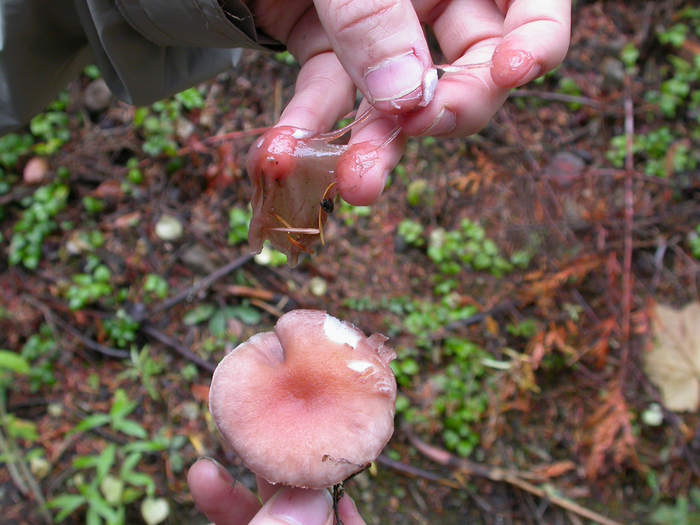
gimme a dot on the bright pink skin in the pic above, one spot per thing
(309, 404)
(291, 171)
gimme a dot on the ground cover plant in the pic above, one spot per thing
(518, 275)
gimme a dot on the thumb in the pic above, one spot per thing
(382, 47)
(295, 505)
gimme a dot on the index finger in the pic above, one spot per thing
(536, 39)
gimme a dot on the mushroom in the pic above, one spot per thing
(294, 178)
(308, 404)
(294, 175)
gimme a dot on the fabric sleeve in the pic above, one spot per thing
(146, 49)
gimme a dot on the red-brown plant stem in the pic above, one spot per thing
(629, 224)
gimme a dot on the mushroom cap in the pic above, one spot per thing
(308, 404)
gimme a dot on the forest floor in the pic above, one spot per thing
(517, 273)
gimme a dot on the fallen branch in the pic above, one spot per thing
(442, 457)
(199, 286)
(178, 347)
(92, 345)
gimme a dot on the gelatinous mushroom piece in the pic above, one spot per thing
(292, 172)
(308, 404)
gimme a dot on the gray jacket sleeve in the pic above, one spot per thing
(146, 49)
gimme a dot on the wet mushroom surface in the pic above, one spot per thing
(308, 404)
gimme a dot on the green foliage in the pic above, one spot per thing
(143, 367)
(35, 223)
(568, 86)
(51, 129)
(116, 418)
(134, 173)
(674, 36)
(681, 513)
(40, 352)
(525, 329)
(468, 246)
(88, 288)
(162, 442)
(659, 151)
(105, 484)
(350, 214)
(411, 232)
(285, 57)
(93, 205)
(156, 287)
(629, 55)
(462, 400)
(92, 72)
(158, 124)
(121, 329)
(695, 242)
(238, 221)
(14, 146)
(11, 366)
(219, 317)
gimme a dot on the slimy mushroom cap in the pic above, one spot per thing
(308, 404)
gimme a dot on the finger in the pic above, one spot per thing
(295, 505)
(464, 102)
(324, 93)
(348, 512)
(218, 497)
(372, 154)
(536, 39)
(382, 47)
(468, 31)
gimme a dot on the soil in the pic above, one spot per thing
(605, 244)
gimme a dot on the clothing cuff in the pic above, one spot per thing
(195, 23)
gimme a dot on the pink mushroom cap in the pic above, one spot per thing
(308, 404)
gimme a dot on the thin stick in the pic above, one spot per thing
(178, 347)
(92, 345)
(629, 224)
(201, 285)
(443, 457)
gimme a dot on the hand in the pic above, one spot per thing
(227, 503)
(379, 46)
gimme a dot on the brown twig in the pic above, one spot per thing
(557, 97)
(178, 347)
(629, 224)
(201, 285)
(92, 345)
(469, 467)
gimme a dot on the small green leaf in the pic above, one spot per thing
(67, 503)
(199, 314)
(13, 362)
(90, 422)
(130, 428)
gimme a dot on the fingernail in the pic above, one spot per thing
(223, 473)
(395, 79)
(443, 124)
(302, 506)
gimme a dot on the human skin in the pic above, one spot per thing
(342, 44)
(225, 502)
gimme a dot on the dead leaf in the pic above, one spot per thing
(673, 363)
